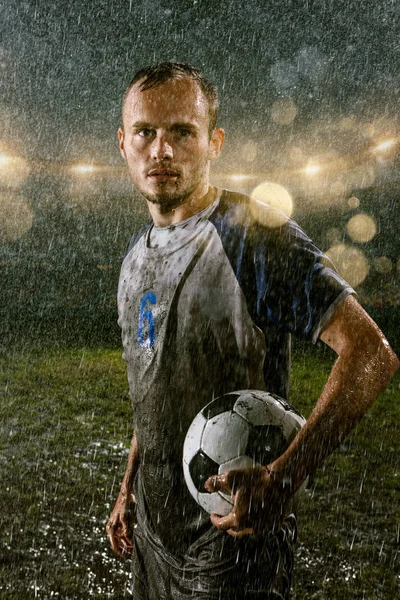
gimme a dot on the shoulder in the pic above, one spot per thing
(256, 223)
(137, 236)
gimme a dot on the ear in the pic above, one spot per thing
(216, 143)
(121, 142)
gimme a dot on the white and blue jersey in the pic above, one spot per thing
(207, 306)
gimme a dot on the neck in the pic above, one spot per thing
(188, 208)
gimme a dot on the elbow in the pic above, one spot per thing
(389, 359)
(380, 356)
(372, 361)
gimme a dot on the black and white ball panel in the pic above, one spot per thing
(222, 447)
(219, 405)
(193, 437)
(253, 407)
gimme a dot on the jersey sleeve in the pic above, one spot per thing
(298, 287)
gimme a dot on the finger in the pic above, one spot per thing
(113, 534)
(239, 533)
(125, 540)
(125, 547)
(124, 529)
(224, 523)
(229, 482)
(120, 545)
(216, 483)
(115, 546)
(110, 532)
(220, 483)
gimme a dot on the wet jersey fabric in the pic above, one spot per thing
(207, 306)
(215, 567)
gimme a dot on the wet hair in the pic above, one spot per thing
(159, 73)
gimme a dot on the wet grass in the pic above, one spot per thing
(65, 431)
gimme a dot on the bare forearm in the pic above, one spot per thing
(365, 365)
(119, 525)
(131, 468)
(359, 375)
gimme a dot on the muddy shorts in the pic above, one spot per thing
(215, 567)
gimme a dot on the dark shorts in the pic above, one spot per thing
(215, 567)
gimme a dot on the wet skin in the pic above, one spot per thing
(364, 367)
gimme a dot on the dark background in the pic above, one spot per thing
(64, 68)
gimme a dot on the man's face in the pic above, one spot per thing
(165, 141)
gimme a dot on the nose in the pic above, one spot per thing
(161, 149)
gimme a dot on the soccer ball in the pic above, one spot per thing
(240, 429)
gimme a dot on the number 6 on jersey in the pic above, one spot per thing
(146, 328)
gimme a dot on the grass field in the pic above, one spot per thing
(65, 430)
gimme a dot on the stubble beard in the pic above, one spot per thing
(169, 200)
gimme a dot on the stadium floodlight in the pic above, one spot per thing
(385, 145)
(240, 177)
(311, 169)
(4, 160)
(83, 169)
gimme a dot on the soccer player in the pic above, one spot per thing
(208, 298)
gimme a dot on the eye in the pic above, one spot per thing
(183, 133)
(145, 132)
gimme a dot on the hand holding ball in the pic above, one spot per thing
(241, 429)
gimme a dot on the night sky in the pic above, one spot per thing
(335, 64)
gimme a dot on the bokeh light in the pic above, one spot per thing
(16, 217)
(13, 171)
(277, 198)
(338, 189)
(284, 75)
(361, 228)
(283, 111)
(311, 63)
(350, 262)
(333, 235)
(353, 202)
(383, 265)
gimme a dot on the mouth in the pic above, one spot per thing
(163, 175)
